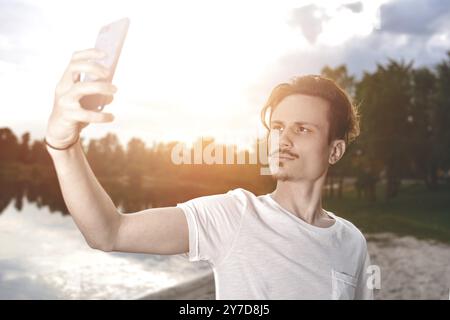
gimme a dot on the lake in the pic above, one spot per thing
(44, 256)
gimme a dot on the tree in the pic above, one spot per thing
(24, 149)
(9, 145)
(338, 171)
(135, 161)
(385, 98)
(39, 154)
(420, 125)
(440, 135)
(342, 78)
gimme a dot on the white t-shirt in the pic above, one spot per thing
(259, 250)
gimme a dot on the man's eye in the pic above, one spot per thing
(276, 127)
(301, 130)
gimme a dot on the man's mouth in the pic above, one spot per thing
(284, 156)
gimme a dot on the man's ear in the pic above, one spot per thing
(337, 151)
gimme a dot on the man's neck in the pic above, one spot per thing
(303, 199)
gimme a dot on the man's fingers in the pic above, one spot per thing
(76, 77)
(88, 54)
(81, 89)
(87, 116)
(92, 68)
(82, 61)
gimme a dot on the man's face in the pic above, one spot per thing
(302, 151)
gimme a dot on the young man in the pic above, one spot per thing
(281, 245)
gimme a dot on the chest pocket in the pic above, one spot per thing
(343, 286)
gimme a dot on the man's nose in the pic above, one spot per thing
(278, 140)
(285, 139)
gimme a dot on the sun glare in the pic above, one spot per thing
(187, 68)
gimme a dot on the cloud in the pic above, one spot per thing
(361, 54)
(415, 30)
(411, 31)
(355, 7)
(415, 17)
(310, 20)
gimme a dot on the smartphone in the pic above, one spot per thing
(110, 39)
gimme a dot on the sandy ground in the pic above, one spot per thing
(410, 269)
(198, 289)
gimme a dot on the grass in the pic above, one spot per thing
(416, 211)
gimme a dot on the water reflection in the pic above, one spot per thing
(44, 256)
(129, 196)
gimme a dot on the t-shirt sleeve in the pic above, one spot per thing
(213, 223)
(364, 290)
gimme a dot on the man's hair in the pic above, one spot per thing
(343, 114)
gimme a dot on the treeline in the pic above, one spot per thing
(135, 176)
(405, 117)
(138, 165)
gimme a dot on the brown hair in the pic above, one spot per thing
(343, 115)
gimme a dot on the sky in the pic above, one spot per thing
(203, 68)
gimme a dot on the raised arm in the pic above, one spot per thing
(155, 231)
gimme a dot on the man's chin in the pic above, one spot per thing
(282, 178)
(281, 175)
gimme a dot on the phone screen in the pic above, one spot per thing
(110, 39)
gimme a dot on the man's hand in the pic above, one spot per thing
(68, 118)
